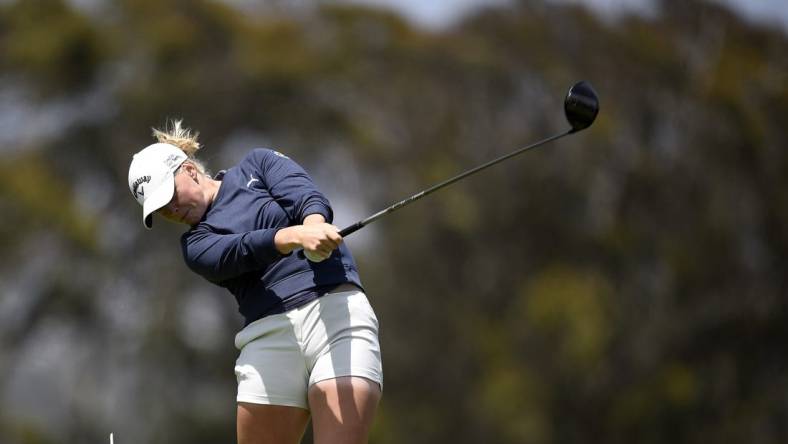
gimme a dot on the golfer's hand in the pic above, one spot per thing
(318, 240)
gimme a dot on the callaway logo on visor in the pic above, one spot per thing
(137, 190)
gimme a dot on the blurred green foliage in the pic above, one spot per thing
(51, 43)
(627, 284)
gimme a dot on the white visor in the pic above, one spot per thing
(151, 177)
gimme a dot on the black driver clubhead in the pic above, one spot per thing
(581, 106)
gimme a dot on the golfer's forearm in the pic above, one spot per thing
(287, 239)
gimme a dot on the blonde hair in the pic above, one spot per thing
(176, 135)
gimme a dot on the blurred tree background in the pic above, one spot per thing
(627, 284)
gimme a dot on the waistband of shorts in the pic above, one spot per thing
(344, 287)
(249, 331)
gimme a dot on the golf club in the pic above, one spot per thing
(581, 106)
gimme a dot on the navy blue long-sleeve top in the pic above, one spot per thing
(233, 245)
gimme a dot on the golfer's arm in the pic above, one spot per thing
(288, 239)
(316, 218)
(219, 257)
(291, 187)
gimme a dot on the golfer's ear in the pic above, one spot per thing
(191, 170)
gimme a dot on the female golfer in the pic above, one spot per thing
(310, 342)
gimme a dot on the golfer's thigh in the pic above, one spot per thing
(343, 409)
(263, 424)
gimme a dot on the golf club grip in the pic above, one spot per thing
(351, 229)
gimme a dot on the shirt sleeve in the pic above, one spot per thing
(292, 188)
(218, 257)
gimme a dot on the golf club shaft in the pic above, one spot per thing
(362, 223)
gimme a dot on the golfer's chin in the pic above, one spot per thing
(192, 217)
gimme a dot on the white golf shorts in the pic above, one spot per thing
(283, 355)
